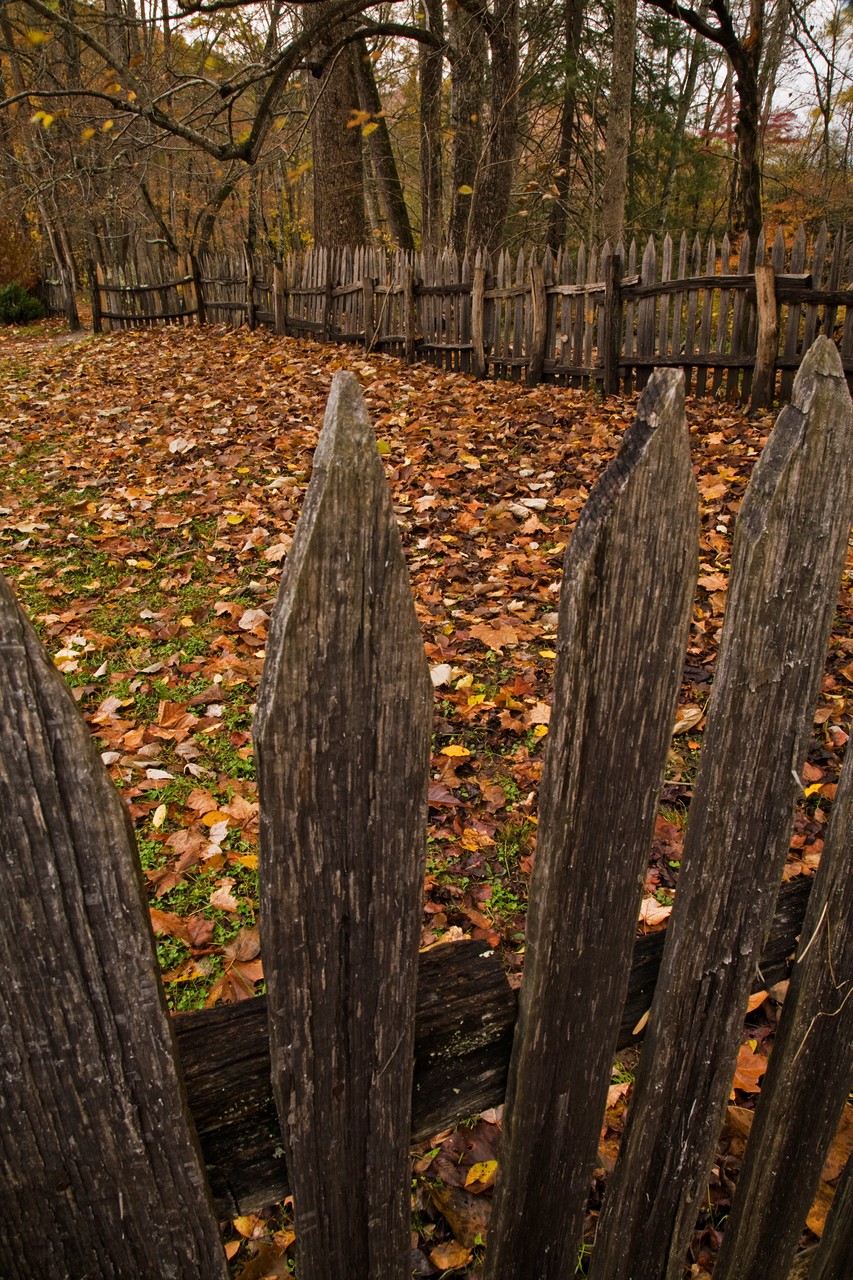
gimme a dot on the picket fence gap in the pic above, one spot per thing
(96, 1138)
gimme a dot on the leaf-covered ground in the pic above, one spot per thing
(152, 482)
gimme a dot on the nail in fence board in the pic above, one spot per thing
(628, 585)
(788, 555)
(342, 742)
(95, 1146)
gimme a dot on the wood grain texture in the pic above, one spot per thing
(809, 1077)
(100, 1174)
(464, 1019)
(788, 554)
(628, 584)
(342, 741)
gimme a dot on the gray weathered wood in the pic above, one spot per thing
(628, 585)
(809, 1076)
(342, 742)
(95, 1146)
(767, 343)
(789, 550)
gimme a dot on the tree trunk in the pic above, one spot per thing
(384, 165)
(558, 217)
(430, 69)
(615, 181)
(490, 202)
(338, 166)
(747, 131)
(467, 77)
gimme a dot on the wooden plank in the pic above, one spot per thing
(723, 313)
(464, 1016)
(95, 1135)
(342, 736)
(834, 282)
(808, 1079)
(663, 318)
(767, 342)
(678, 301)
(646, 315)
(707, 316)
(692, 311)
(789, 551)
(579, 312)
(621, 643)
(478, 350)
(589, 314)
(539, 327)
(810, 325)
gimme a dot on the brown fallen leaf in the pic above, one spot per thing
(450, 1255)
(467, 1215)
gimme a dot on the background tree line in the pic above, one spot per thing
(193, 123)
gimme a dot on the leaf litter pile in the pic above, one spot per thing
(152, 485)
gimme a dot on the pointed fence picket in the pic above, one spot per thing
(96, 1136)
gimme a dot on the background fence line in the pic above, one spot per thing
(587, 317)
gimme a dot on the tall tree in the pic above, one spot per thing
(430, 72)
(337, 160)
(615, 182)
(573, 14)
(493, 186)
(744, 54)
(383, 163)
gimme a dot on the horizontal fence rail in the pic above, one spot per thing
(590, 317)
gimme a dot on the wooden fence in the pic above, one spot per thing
(588, 318)
(97, 1144)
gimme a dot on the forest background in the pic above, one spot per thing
(197, 124)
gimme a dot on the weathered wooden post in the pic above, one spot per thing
(94, 284)
(249, 260)
(367, 304)
(612, 323)
(279, 299)
(408, 309)
(624, 618)
(767, 341)
(478, 317)
(94, 1135)
(789, 551)
(342, 739)
(808, 1079)
(539, 328)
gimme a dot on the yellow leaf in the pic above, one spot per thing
(145, 564)
(159, 816)
(465, 190)
(249, 1225)
(231, 1248)
(357, 118)
(816, 786)
(455, 751)
(547, 653)
(539, 730)
(235, 517)
(36, 37)
(249, 860)
(483, 1172)
(87, 134)
(187, 622)
(369, 128)
(107, 125)
(211, 819)
(383, 448)
(131, 96)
